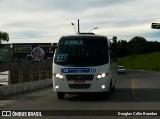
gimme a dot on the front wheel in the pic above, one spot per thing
(113, 88)
(60, 95)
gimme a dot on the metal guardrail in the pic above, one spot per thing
(32, 75)
(27, 71)
(5, 78)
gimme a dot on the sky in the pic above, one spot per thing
(45, 21)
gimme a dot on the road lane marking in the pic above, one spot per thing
(134, 87)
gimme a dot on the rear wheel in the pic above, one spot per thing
(107, 94)
(60, 95)
(113, 88)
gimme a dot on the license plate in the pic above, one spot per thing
(79, 82)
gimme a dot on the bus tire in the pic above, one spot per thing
(60, 95)
(108, 93)
(110, 87)
(113, 88)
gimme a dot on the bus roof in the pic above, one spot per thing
(84, 35)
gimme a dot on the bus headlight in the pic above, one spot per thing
(99, 76)
(59, 76)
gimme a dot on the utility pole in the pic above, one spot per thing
(75, 28)
(78, 27)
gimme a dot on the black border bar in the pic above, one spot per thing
(80, 113)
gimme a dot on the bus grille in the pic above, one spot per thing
(79, 77)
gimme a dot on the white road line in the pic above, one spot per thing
(134, 87)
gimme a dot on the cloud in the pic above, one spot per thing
(37, 18)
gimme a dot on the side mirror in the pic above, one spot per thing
(54, 45)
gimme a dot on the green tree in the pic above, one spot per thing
(122, 48)
(138, 45)
(4, 37)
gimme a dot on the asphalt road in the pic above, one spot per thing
(135, 90)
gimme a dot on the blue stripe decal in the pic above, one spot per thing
(78, 70)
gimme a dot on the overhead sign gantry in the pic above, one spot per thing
(155, 26)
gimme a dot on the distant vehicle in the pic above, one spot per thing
(121, 69)
(84, 63)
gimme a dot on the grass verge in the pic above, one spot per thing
(149, 61)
